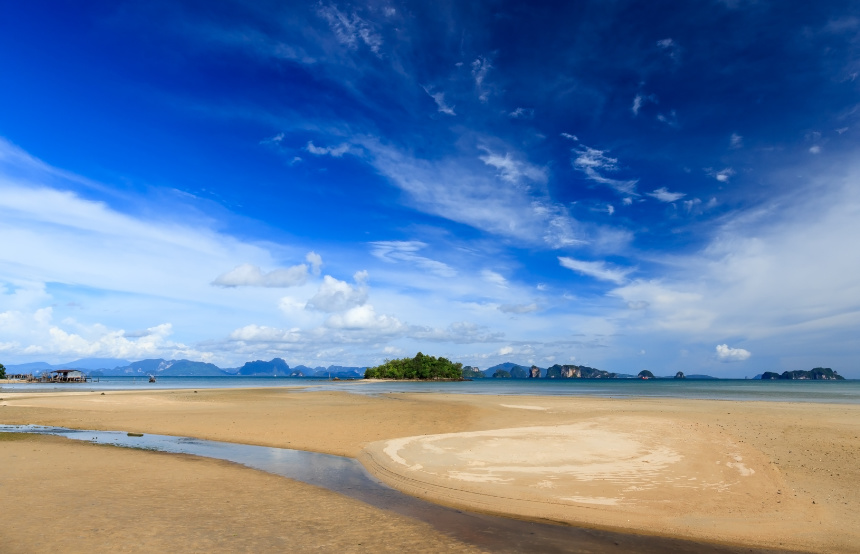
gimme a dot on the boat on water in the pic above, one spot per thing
(152, 378)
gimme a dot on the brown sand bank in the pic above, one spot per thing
(585, 460)
(60, 495)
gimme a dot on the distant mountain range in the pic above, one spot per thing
(113, 367)
(277, 367)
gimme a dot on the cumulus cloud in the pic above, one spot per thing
(406, 251)
(727, 354)
(364, 317)
(247, 275)
(594, 163)
(336, 296)
(663, 195)
(36, 334)
(334, 151)
(598, 270)
(315, 260)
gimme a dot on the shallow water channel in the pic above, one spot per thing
(348, 477)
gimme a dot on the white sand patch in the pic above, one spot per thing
(615, 464)
(393, 447)
(740, 466)
(521, 407)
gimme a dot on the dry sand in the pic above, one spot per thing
(734, 472)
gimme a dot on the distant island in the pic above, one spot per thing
(278, 367)
(816, 374)
(420, 367)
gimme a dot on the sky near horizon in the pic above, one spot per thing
(626, 185)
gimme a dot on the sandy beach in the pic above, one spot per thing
(760, 474)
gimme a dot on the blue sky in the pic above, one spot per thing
(627, 185)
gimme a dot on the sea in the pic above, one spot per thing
(838, 392)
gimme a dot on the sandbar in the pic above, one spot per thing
(763, 474)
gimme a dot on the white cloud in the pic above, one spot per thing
(393, 251)
(610, 209)
(736, 141)
(315, 260)
(670, 47)
(480, 68)
(593, 163)
(454, 189)
(505, 350)
(637, 104)
(522, 113)
(334, 151)
(663, 195)
(350, 30)
(723, 175)
(262, 333)
(461, 332)
(598, 270)
(691, 204)
(568, 136)
(439, 98)
(511, 170)
(247, 275)
(726, 354)
(38, 335)
(364, 317)
(815, 149)
(494, 278)
(336, 296)
(670, 119)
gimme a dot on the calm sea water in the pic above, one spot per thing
(843, 392)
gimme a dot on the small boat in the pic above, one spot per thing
(152, 378)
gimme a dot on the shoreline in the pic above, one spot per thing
(771, 435)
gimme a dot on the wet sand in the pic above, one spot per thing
(60, 495)
(731, 472)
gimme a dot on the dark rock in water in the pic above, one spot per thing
(534, 372)
(680, 375)
(501, 374)
(645, 374)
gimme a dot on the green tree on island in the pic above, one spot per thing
(420, 367)
(2, 371)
